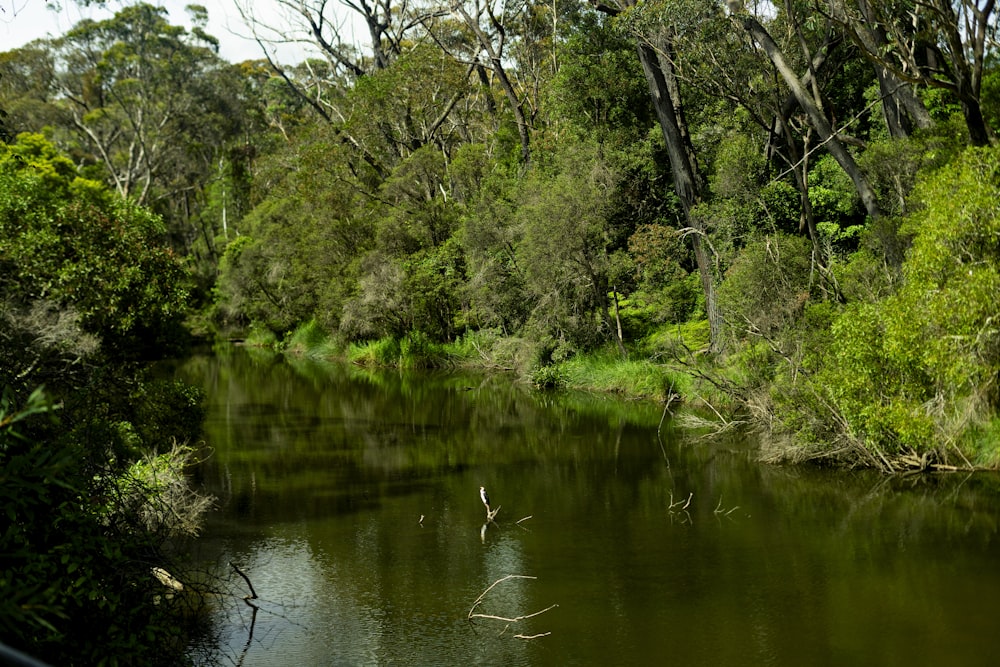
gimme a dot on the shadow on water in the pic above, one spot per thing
(350, 498)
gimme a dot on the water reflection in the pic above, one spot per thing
(351, 500)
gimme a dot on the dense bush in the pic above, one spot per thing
(918, 370)
(85, 289)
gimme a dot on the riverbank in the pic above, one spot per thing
(751, 386)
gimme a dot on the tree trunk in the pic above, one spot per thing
(495, 55)
(817, 118)
(901, 107)
(687, 184)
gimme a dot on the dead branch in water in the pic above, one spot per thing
(719, 509)
(479, 600)
(673, 510)
(253, 593)
(482, 596)
(516, 618)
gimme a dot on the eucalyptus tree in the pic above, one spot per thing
(726, 65)
(935, 44)
(902, 107)
(128, 86)
(28, 89)
(156, 108)
(806, 96)
(331, 30)
(490, 33)
(344, 221)
(655, 50)
(565, 245)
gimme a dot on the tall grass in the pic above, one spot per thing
(413, 351)
(606, 371)
(490, 349)
(313, 341)
(261, 337)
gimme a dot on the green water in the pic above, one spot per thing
(666, 550)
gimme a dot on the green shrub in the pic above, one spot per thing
(261, 336)
(918, 370)
(312, 340)
(547, 377)
(767, 285)
(417, 350)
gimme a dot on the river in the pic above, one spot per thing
(350, 500)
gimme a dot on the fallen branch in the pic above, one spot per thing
(253, 593)
(672, 511)
(516, 618)
(504, 619)
(686, 503)
(720, 510)
(479, 600)
(524, 519)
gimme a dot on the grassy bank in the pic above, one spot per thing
(651, 369)
(749, 384)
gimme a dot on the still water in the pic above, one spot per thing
(350, 500)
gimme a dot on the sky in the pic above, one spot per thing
(22, 21)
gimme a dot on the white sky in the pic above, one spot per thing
(22, 21)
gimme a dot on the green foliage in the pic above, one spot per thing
(75, 549)
(989, 96)
(832, 194)
(383, 352)
(547, 377)
(892, 166)
(599, 86)
(415, 350)
(691, 335)
(85, 284)
(659, 253)
(917, 371)
(767, 285)
(311, 340)
(68, 241)
(606, 371)
(564, 253)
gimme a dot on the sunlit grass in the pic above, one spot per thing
(312, 340)
(608, 372)
(413, 351)
(687, 338)
(261, 337)
(647, 373)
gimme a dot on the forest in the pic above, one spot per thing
(781, 212)
(781, 215)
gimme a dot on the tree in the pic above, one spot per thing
(916, 373)
(655, 54)
(28, 89)
(86, 287)
(490, 31)
(67, 241)
(564, 250)
(130, 84)
(938, 44)
(817, 117)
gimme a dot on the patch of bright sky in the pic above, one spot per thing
(22, 21)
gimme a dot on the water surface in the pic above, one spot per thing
(351, 501)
